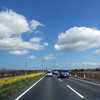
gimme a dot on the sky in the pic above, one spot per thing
(52, 34)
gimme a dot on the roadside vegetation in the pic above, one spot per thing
(12, 85)
(12, 72)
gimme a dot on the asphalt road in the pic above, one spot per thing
(53, 88)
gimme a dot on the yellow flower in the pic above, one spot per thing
(18, 79)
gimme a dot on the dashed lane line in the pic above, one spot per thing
(72, 89)
(75, 91)
(59, 79)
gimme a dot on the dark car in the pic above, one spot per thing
(64, 74)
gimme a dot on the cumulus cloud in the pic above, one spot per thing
(36, 39)
(12, 23)
(18, 52)
(97, 52)
(31, 57)
(12, 26)
(17, 43)
(78, 39)
(33, 24)
(49, 57)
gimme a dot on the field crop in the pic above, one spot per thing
(10, 86)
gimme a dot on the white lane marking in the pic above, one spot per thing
(59, 79)
(85, 81)
(75, 91)
(28, 89)
(55, 76)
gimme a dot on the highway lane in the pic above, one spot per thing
(50, 88)
(88, 90)
(53, 88)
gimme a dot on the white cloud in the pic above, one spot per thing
(49, 57)
(91, 63)
(10, 43)
(36, 39)
(18, 52)
(59, 65)
(31, 57)
(97, 52)
(16, 43)
(12, 26)
(12, 23)
(76, 64)
(78, 39)
(34, 24)
(86, 64)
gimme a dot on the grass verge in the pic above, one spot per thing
(9, 90)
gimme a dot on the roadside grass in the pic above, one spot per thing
(7, 91)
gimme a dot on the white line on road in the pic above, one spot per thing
(55, 76)
(28, 89)
(75, 91)
(85, 81)
(59, 79)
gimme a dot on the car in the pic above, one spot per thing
(64, 74)
(55, 72)
(49, 74)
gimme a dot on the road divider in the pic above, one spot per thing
(75, 91)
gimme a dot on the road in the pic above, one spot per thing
(53, 88)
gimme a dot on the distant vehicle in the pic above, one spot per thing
(64, 74)
(49, 74)
(55, 72)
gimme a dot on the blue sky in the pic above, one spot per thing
(65, 34)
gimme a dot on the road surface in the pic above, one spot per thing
(53, 88)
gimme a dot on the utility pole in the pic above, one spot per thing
(25, 68)
(42, 62)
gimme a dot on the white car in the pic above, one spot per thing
(49, 74)
(55, 72)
